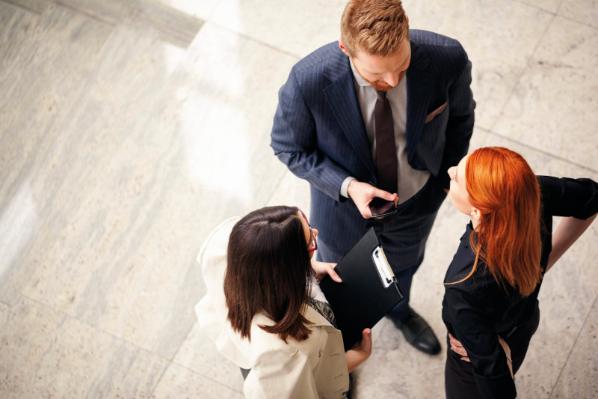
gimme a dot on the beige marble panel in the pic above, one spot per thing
(198, 353)
(584, 11)
(45, 70)
(499, 40)
(396, 369)
(47, 354)
(292, 191)
(174, 26)
(181, 383)
(296, 26)
(553, 107)
(579, 378)
(154, 156)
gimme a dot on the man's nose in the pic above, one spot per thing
(392, 79)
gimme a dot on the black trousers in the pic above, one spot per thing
(459, 382)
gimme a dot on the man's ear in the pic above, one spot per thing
(343, 48)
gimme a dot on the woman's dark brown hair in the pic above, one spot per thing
(268, 267)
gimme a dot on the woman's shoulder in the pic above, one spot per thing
(264, 344)
(217, 241)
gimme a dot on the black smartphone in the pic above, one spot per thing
(382, 208)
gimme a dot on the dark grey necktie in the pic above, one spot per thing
(386, 148)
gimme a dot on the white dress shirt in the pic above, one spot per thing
(410, 180)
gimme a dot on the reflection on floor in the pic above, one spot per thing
(130, 129)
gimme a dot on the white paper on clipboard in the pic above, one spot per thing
(385, 272)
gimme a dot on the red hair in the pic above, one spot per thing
(503, 187)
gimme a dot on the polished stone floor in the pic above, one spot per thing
(129, 129)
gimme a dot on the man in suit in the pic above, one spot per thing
(383, 113)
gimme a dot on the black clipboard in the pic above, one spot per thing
(368, 292)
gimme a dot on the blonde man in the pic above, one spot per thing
(378, 116)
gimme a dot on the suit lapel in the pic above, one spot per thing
(342, 100)
(419, 94)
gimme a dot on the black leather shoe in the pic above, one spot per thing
(418, 333)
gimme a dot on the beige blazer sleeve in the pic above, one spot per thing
(281, 374)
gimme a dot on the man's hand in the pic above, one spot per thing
(325, 268)
(363, 193)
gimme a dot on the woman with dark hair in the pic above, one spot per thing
(490, 305)
(265, 311)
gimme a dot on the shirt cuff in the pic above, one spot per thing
(345, 186)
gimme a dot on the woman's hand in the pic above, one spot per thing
(457, 347)
(505, 347)
(360, 352)
(325, 268)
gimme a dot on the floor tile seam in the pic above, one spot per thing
(168, 361)
(557, 13)
(571, 19)
(131, 20)
(524, 69)
(202, 375)
(523, 2)
(544, 152)
(253, 39)
(86, 14)
(552, 390)
(95, 328)
(20, 6)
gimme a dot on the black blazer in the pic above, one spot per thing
(480, 309)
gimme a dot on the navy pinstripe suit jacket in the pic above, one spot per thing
(318, 130)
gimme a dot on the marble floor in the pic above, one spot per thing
(129, 129)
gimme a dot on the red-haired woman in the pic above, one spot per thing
(490, 305)
(265, 312)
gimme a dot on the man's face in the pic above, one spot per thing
(382, 72)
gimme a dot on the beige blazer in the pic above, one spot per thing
(314, 368)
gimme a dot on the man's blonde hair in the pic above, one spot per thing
(377, 27)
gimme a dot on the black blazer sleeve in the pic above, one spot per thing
(569, 197)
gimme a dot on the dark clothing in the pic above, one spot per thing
(479, 310)
(459, 379)
(319, 133)
(403, 238)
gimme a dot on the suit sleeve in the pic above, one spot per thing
(294, 141)
(474, 330)
(460, 124)
(281, 374)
